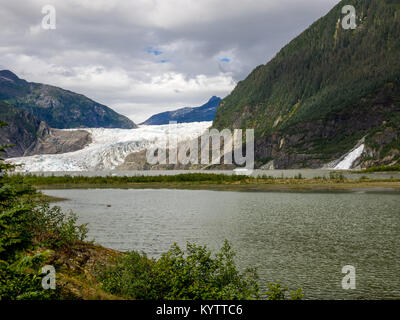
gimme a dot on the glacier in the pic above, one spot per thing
(110, 147)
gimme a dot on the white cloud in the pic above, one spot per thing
(99, 47)
(139, 99)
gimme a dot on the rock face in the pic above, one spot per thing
(138, 160)
(22, 129)
(56, 141)
(59, 108)
(315, 143)
(204, 113)
(324, 91)
(31, 136)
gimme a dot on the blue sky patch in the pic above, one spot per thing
(226, 60)
(153, 51)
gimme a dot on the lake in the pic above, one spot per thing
(300, 239)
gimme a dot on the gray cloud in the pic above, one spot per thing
(101, 48)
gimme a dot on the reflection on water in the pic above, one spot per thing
(300, 239)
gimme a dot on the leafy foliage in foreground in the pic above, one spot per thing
(26, 224)
(195, 274)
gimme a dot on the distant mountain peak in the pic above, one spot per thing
(213, 98)
(8, 75)
(206, 112)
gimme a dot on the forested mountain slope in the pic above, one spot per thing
(326, 90)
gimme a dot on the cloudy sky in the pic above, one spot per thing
(142, 57)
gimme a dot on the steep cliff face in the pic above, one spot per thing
(57, 141)
(324, 91)
(22, 130)
(206, 112)
(59, 108)
(315, 143)
(31, 136)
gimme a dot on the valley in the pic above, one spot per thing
(294, 160)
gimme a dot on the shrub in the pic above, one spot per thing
(176, 275)
(53, 228)
(336, 176)
(196, 274)
(26, 223)
(21, 280)
(395, 167)
(278, 292)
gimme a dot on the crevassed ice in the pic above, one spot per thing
(348, 161)
(110, 147)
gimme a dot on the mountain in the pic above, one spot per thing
(325, 92)
(198, 114)
(59, 108)
(31, 136)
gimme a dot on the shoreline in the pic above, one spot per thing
(351, 186)
(216, 182)
(51, 199)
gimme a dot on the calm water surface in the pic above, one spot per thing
(300, 239)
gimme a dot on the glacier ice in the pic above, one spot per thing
(109, 147)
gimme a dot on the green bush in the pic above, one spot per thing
(26, 223)
(21, 280)
(336, 176)
(53, 228)
(177, 275)
(23, 286)
(278, 292)
(383, 168)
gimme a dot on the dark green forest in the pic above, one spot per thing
(347, 81)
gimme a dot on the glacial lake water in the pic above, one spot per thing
(300, 239)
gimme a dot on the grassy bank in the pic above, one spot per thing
(51, 199)
(395, 168)
(197, 181)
